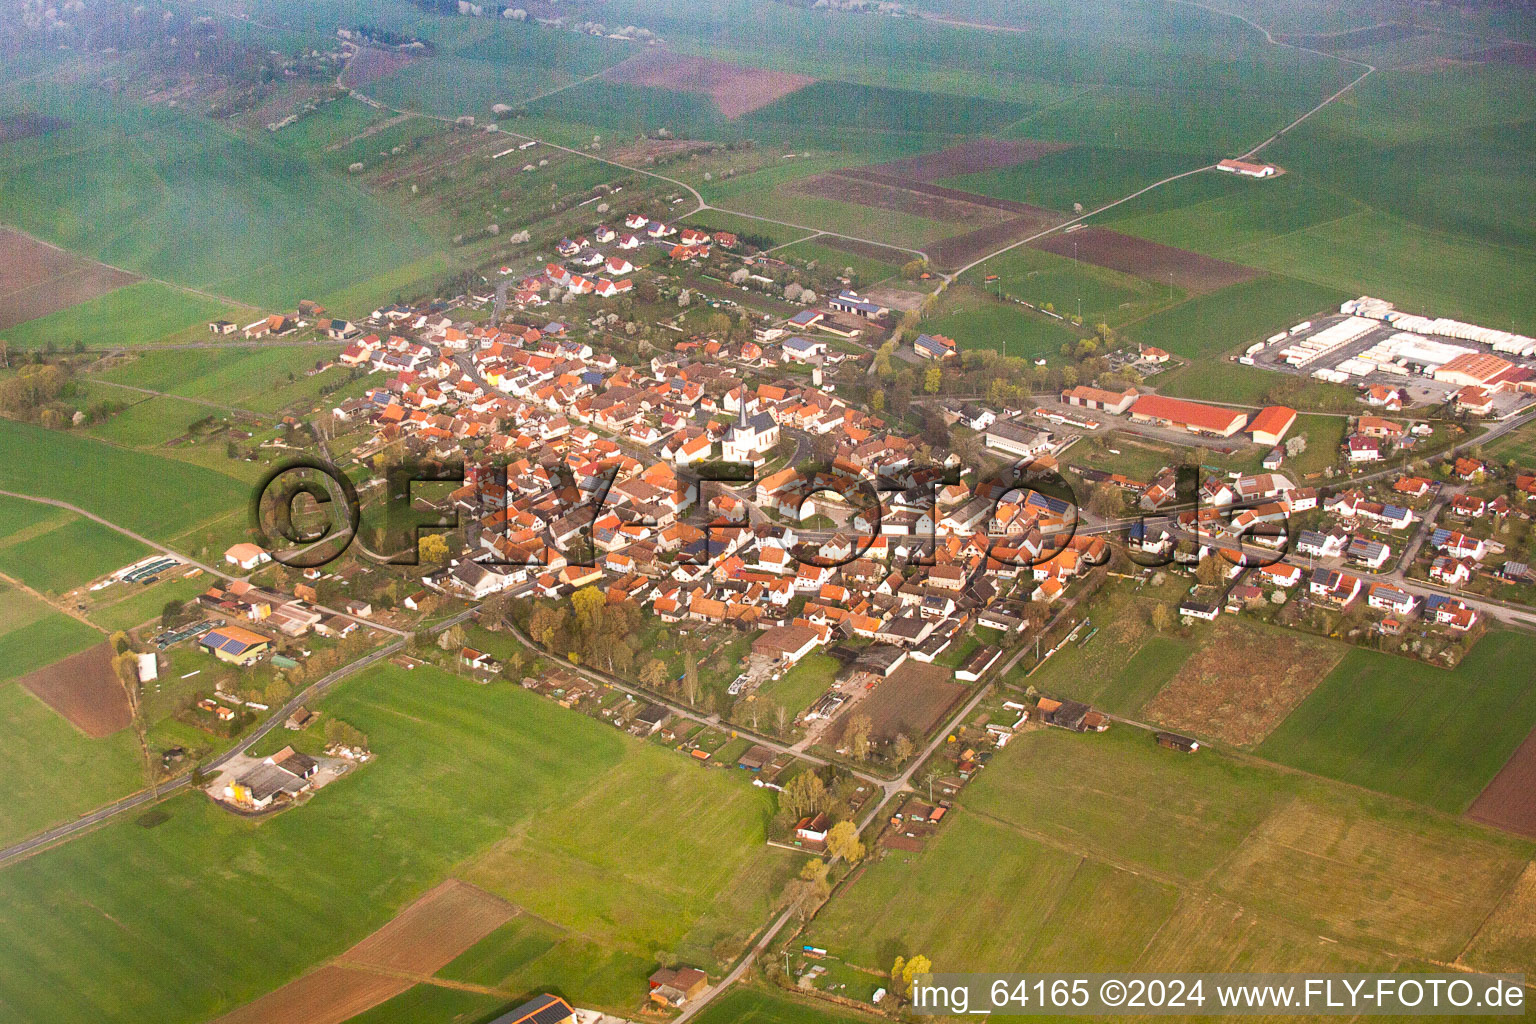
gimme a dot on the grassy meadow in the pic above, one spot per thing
(160, 498)
(1399, 726)
(1107, 852)
(490, 782)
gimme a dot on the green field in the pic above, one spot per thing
(490, 779)
(74, 552)
(160, 498)
(1102, 295)
(58, 772)
(253, 378)
(1402, 727)
(1234, 316)
(1414, 187)
(979, 321)
(35, 635)
(798, 687)
(1217, 380)
(770, 1006)
(866, 271)
(1091, 175)
(1125, 663)
(497, 63)
(244, 217)
(430, 1003)
(139, 314)
(1108, 852)
(124, 606)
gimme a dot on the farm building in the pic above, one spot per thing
(934, 346)
(246, 556)
(1017, 439)
(675, 986)
(850, 302)
(234, 644)
(1071, 714)
(785, 644)
(1271, 423)
(1194, 417)
(540, 1010)
(1173, 741)
(1112, 402)
(979, 661)
(286, 772)
(1248, 169)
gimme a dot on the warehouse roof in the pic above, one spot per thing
(1193, 414)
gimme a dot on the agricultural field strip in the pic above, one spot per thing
(136, 275)
(1269, 37)
(180, 398)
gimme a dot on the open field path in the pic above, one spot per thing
(56, 605)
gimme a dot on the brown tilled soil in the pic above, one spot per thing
(27, 126)
(1509, 800)
(881, 196)
(85, 690)
(370, 64)
(962, 249)
(938, 191)
(1138, 257)
(735, 90)
(913, 701)
(330, 995)
(427, 935)
(1518, 54)
(969, 158)
(418, 942)
(36, 279)
(1226, 693)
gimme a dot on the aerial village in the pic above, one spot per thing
(830, 574)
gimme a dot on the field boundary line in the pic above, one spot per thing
(420, 979)
(1458, 961)
(50, 602)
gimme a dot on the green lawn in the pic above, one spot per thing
(139, 314)
(866, 271)
(802, 684)
(488, 780)
(1402, 727)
